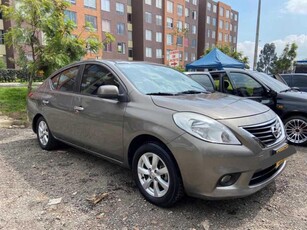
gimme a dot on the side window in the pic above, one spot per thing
(95, 76)
(227, 86)
(65, 81)
(299, 80)
(246, 86)
(216, 79)
(204, 80)
(287, 78)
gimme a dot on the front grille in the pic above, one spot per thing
(267, 133)
(264, 174)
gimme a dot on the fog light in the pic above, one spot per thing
(229, 179)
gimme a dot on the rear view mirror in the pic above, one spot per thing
(108, 91)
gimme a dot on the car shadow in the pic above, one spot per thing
(76, 176)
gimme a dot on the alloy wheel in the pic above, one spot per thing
(43, 133)
(153, 174)
(296, 131)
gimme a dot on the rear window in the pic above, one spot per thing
(66, 80)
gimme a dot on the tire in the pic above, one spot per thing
(160, 183)
(296, 130)
(44, 135)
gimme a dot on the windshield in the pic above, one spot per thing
(159, 80)
(272, 83)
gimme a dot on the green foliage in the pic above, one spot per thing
(13, 102)
(13, 75)
(179, 68)
(285, 62)
(42, 33)
(2, 64)
(232, 53)
(267, 58)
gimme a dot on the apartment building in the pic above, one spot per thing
(117, 20)
(2, 46)
(83, 12)
(218, 25)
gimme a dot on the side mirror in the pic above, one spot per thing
(108, 91)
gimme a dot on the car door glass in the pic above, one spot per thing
(287, 78)
(227, 86)
(216, 79)
(299, 80)
(204, 80)
(246, 86)
(65, 81)
(95, 76)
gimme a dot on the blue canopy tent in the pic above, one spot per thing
(216, 59)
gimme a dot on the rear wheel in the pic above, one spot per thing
(296, 130)
(44, 136)
(156, 175)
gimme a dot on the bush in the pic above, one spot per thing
(12, 75)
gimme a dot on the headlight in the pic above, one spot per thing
(205, 128)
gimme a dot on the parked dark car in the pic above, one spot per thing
(298, 80)
(288, 103)
(175, 136)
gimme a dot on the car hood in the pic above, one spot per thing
(298, 96)
(215, 105)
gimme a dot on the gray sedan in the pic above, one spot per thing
(176, 137)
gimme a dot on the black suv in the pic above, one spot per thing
(289, 104)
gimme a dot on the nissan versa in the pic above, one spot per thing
(175, 136)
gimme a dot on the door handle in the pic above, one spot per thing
(45, 102)
(78, 108)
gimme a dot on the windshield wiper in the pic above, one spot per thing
(161, 94)
(192, 92)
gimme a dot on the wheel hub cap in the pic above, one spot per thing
(296, 131)
(43, 133)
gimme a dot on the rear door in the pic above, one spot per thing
(300, 81)
(98, 122)
(57, 102)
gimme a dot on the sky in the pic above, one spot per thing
(282, 22)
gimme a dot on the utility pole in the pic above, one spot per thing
(257, 36)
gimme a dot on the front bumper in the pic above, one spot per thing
(203, 164)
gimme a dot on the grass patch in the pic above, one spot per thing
(13, 102)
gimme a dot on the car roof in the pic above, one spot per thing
(230, 69)
(285, 74)
(197, 72)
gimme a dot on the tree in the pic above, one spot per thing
(285, 62)
(232, 53)
(43, 38)
(267, 58)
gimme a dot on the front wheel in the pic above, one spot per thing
(296, 130)
(156, 175)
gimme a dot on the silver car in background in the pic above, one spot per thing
(176, 137)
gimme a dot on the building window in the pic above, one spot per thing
(208, 20)
(121, 47)
(158, 53)
(72, 1)
(193, 57)
(187, 26)
(235, 28)
(220, 36)
(148, 18)
(159, 4)
(213, 34)
(159, 20)
(105, 5)
(236, 17)
(193, 43)
(120, 27)
(209, 33)
(179, 25)
(214, 8)
(148, 52)
(1, 37)
(221, 24)
(221, 11)
(120, 8)
(129, 17)
(106, 26)
(230, 27)
(170, 7)
(107, 47)
(186, 56)
(90, 3)
(207, 46)
(194, 2)
(230, 38)
(169, 39)
(193, 29)
(227, 26)
(91, 20)
(179, 40)
(187, 12)
(179, 10)
(158, 37)
(70, 15)
(169, 22)
(226, 37)
(130, 52)
(234, 39)
(194, 15)
(148, 2)
(148, 35)
(209, 6)
(214, 21)
(227, 13)
(168, 52)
